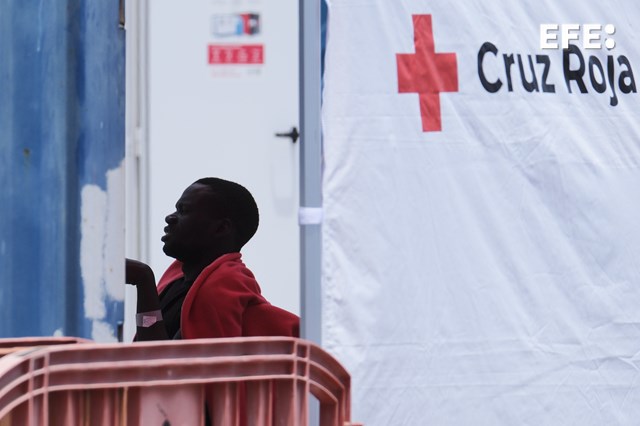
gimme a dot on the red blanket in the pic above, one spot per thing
(225, 301)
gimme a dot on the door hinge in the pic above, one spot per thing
(121, 13)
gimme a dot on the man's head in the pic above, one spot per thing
(213, 216)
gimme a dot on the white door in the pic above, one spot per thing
(223, 81)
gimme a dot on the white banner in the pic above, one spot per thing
(481, 259)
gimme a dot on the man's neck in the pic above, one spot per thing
(192, 269)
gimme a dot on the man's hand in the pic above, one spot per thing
(138, 273)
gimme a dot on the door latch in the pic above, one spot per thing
(293, 134)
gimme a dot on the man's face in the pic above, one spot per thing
(189, 231)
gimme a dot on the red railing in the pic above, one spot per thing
(10, 345)
(253, 381)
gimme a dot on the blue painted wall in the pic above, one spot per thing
(61, 128)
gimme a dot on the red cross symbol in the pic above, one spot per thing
(427, 73)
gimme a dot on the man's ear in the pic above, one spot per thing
(223, 227)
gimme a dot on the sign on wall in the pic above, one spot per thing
(236, 45)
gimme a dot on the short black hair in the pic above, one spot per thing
(237, 204)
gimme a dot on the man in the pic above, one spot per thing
(207, 291)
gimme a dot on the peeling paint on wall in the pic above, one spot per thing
(62, 121)
(102, 251)
(114, 254)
